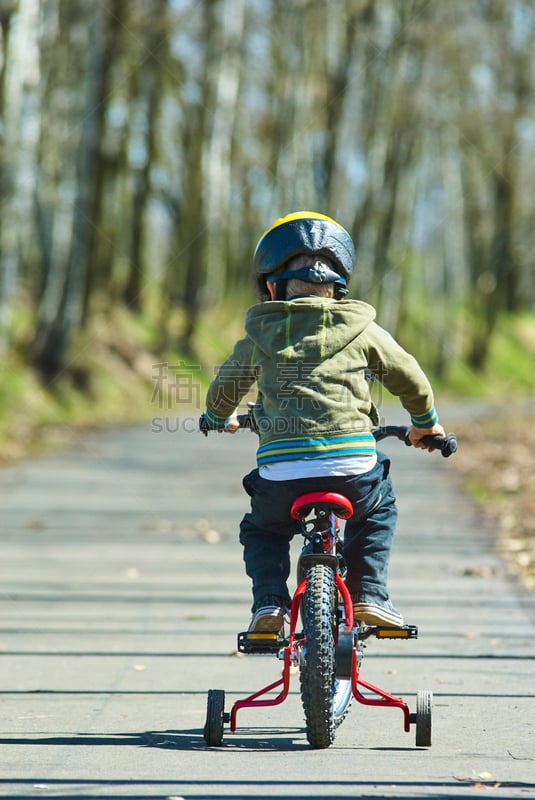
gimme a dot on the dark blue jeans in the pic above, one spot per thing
(266, 531)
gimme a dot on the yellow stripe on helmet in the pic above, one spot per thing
(301, 215)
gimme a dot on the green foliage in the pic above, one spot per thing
(109, 379)
(25, 406)
(441, 337)
(509, 373)
(217, 331)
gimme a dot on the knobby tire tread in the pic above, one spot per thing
(318, 671)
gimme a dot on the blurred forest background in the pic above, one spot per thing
(146, 144)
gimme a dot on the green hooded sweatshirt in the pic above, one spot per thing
(310, 358)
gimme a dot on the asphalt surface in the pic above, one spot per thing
(122, 590)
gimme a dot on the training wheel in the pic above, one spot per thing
(215, 717)
(424, 705)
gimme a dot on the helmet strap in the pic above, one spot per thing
(316, 274)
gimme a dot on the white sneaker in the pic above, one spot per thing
(380, 612)
(268, 619)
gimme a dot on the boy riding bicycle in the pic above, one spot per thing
(310, 351)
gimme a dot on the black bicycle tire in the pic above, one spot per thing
(215, 715)
(424, 711)
(317, 674)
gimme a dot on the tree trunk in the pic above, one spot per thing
(110, 30)
(8, 255)
(151, 88)
(60, 323)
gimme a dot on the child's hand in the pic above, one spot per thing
(416, 435)
(233, 425)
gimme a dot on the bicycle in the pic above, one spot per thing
(328, 651)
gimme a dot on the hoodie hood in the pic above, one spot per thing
(307, 327)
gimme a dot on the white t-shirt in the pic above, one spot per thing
(317, 468)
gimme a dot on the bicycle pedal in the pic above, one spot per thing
(406, 632)
(260, 643)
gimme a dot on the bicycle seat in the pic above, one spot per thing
(330, 501)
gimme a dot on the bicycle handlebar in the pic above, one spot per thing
(247, 421)
(446, 444)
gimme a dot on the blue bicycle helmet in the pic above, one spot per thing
(304, 232)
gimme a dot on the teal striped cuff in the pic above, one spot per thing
(217, 423)
(426, 420)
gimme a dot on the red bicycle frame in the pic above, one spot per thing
(338, 506)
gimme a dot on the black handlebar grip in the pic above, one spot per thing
(446, 444)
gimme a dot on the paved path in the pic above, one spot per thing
(122, 589)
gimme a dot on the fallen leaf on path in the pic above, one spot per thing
(484, 780)
(132, 573)
(478, 572)
(36, 524)
(211, 536)
(486, 785)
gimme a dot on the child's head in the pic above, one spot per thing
(297, 287)
(326, 250)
